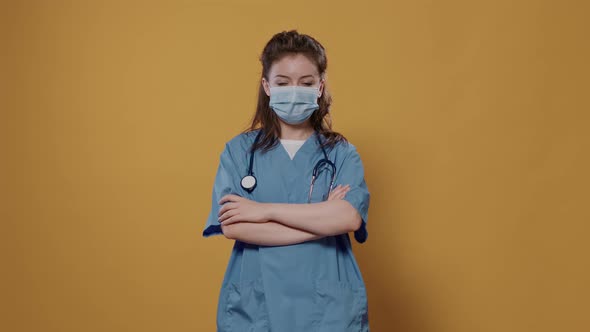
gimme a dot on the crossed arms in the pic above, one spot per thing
(276, 224)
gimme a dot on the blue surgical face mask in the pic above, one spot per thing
(294, 104)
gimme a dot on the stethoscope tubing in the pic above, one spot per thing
(316, 169)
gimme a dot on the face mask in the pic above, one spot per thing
(294, 104)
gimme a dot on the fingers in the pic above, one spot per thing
(343, 192)
(338, 188)
(225, 217)
(346, 188)
(229, 198)
(335, 192)
(339, 192)
(339, 195)
(230, 220)
(227, 207)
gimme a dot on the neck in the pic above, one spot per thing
(297, 132)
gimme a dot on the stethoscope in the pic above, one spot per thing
(249, 181)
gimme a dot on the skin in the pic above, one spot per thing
(275, 224)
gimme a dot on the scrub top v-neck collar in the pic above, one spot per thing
(292, 146)
(303, 148)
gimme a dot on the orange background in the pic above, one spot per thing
(471, 118)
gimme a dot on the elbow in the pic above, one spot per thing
(228, 232)
(356, 222)
(353, 217)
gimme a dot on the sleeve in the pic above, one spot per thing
(226, 182)
(351, 171)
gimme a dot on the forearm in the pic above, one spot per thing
(325, 218)
(267, 234)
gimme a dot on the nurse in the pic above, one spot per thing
(292, 268)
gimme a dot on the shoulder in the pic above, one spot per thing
(345, 148)
(241, 142)
(345, 154)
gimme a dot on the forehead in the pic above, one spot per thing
(294, 66)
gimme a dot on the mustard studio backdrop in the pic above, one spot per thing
(471, 118)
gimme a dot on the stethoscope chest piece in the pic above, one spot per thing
(248, 183)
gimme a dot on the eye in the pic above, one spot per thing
(281, 83)
(308, 84)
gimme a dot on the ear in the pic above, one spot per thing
(266, 86)
(321, 88)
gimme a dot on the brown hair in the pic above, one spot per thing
(289, 43)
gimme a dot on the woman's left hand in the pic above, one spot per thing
(237, 208)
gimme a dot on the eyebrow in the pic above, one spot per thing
(289, 77)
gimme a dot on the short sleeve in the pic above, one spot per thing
(351, 172)
(226, 182)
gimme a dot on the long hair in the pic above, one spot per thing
(289, 43)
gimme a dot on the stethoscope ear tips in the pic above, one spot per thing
(248, 183)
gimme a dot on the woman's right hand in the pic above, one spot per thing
(339, 192)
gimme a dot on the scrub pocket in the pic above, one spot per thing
(245, 308)
(340, 306)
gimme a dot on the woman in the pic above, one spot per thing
(292, 266)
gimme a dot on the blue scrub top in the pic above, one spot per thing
(310, 286)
